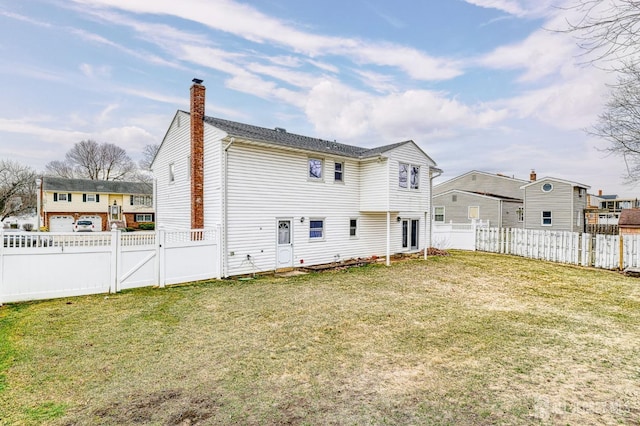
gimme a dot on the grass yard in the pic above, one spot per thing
(468, 339)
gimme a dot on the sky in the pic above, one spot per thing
(478, 84)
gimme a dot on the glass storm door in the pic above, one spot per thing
(284, 247)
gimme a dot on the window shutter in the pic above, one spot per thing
(55, 196)
(69, 197)
(97, 198)
(131, 199)
(84, 198)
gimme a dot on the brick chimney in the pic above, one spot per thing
(197, 154)
(599, 192)
(532, 176)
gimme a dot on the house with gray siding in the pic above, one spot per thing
(555, 204)
(475, 195)
(283, 200)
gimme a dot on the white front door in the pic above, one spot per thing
(284, 246)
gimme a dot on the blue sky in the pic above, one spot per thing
(478, 84)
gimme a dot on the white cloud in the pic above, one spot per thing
(248, 23)
(519, 8)
(541, 54)
(92, 71)
(343, 112)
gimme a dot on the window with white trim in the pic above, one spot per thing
(316, 229)
(140, 200)
(546, 218)
(438, 214)
(315, 168)
(520, 213)
(403, 172)
(144, 217)
(353, 228)
(415, 177)
(473, 212)
(62, 196)
(338, 172)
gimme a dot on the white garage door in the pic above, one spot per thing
(97, 221)
(61, 223)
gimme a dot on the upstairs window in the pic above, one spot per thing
(90, 198)
(315, 168)
(62, 196)
(415, 177)
(520, 213)
(403, 173)
(338, 172)
(172, 173)
(140, 200)
(408, 176)
(546, 218)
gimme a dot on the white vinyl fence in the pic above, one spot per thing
(49, 265)
(599, 250)
(455, 235)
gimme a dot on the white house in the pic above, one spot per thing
(283, 200)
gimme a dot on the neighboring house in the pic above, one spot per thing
(64, 201)
(629, 223)
(284, 200)
(492, 198)
(557, 204)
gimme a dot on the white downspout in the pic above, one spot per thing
(388, 238)
(225, 210)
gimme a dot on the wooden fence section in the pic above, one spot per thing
(599, 250)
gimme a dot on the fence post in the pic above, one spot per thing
(160, 270)
(115, 260)
(621, 260)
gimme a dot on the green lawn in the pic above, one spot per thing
(471, 338)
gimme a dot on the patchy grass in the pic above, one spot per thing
(471, 338)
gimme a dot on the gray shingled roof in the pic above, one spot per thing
(97, 186)
(283, 138)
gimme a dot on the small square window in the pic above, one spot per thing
(315, 168)
(338, 172)
(62, 197)
(91, 198)
(316, 229)
(546, 218)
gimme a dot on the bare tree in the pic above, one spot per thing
(619, 124)
(609, 33)
(17, 189)
(148, 154)
(89, 159)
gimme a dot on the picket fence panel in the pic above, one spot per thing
(600, 250)
(52, 265)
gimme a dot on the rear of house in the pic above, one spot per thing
(283, 200)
